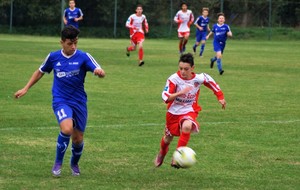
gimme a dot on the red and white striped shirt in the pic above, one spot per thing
(188, 102)
(135, 24)
(184, 19)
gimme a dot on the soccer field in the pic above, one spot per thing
(253, 144)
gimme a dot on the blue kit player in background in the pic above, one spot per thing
(69, 66)
(202, 27)
(221, 31)
(72, 15)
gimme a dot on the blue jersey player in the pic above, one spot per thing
(72, 15)
(202, 27)
(221, 31)
(69, 66)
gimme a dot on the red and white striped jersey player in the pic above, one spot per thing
(181, 94)
(138, 26)
(184, 18)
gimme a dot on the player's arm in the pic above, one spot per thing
(209, 34)
(169, 94)
(208, 29)
(65, 18)
(80, 17)
(191, 19)
(211, 84)
(199, 27)
(177, 19)
(229, 33)
(146, 26)
(36, 76)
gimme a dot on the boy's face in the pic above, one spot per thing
(205, 13)
(139, 10)
(69, 46)
(185, 70)
(221, 20)
(71, 4)
(184, 7)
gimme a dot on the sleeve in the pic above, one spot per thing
(192, 17)
(80, 12)
(129, 22)
(146, 24)
(66, 14)
(210, 83)
(91, 63)
(47, 65)
(176, 17)
(169, 89)
(228, 29)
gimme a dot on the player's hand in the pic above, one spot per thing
(99, 72)
(207, 37)
(186, 89)
(200, 28)
(223, 103)
(20, 93)
(179, 21)
(189, 24)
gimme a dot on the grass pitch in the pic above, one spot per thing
(253, 144)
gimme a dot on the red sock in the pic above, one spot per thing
(130, 48)
(164, 147)
(141, 53)
(183, 139)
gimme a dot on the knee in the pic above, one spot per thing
(77, 139)
(187, 126)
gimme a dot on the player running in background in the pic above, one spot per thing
(202, 27)
(69, 67)
(181, 93)
(138, 26)
(221, 31)
(184, 18)
(72, 15)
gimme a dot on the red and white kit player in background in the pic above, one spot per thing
(184, 18)
(181, 94)
(138, 25)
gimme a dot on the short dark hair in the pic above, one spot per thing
(183, 3)
(69, 32)
(187, 58)
(220, 14)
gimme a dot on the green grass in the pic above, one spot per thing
(253, 144)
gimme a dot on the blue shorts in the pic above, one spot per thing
(219, 46)
(200, 36)
(77, 112)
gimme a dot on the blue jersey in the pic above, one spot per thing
(69, 74)
(203, 22)
(71, 14)
(220, 32)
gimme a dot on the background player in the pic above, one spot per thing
(202, 27)
(221, 31)
(72, 15)
(69, 67)
(138, 25)
(184, 18)
(181, 94)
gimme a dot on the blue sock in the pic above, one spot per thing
(61, 147)
(195, 46)
(219, 62)
(76, 153)
(202, 49)
(214, 59)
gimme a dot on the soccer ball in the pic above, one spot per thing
(184, 156)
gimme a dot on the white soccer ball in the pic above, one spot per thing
(184, 156)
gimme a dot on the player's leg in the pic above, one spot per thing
(64, 115)
(185, 41)
(132, 46)
(219, 62)
(141, 49)
(217, 48)
(203, 41)
(164, 148)
(197, 42)
(80, 120)
(77, 149)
